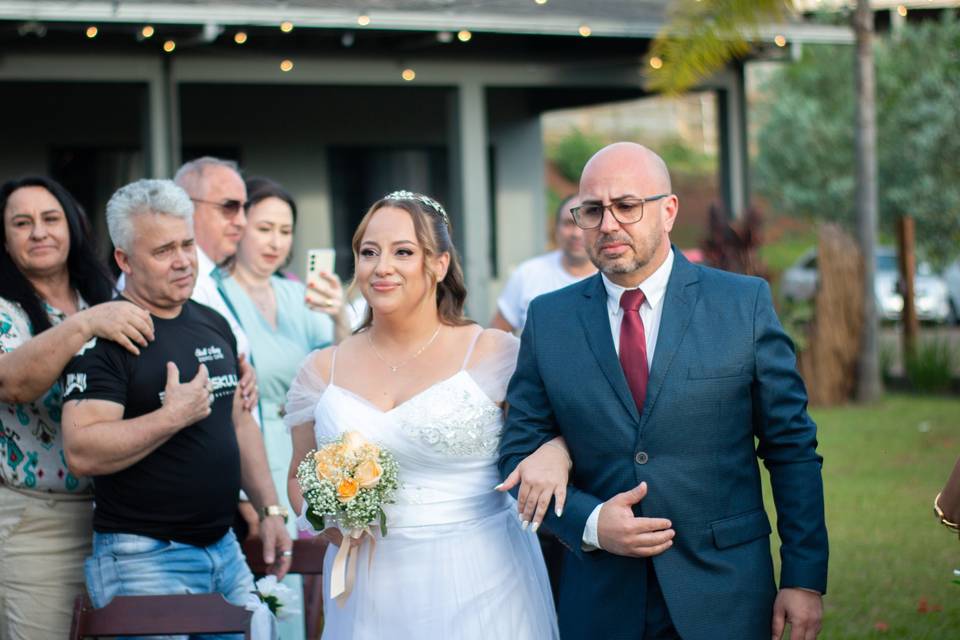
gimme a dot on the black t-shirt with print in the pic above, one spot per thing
(186, 490)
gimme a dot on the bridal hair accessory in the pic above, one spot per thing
(419, 197)
(348, 480)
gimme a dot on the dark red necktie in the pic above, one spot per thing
(633, 346)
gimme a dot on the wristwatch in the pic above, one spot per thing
(275, 510)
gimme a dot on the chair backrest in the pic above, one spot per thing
(307, 556)
(159, 615)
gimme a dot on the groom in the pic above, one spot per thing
(668, 380)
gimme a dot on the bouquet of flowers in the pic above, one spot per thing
(348, 481)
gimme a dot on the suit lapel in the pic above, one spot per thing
(596, 324)
(679, 302)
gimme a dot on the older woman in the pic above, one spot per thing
(284, 321)
(51, 279)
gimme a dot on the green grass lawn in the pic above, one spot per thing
(891, 563)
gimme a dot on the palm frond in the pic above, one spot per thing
(701, 36)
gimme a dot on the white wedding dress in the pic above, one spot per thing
(455, 564)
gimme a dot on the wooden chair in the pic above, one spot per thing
(307, 556)
(159, 615)
(307, 560)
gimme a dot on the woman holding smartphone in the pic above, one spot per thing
(284, 321)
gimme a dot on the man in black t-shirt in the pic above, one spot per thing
(168, 457)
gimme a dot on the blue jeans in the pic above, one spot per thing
(125, 564)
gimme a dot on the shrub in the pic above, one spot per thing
(572, 151)
(930, 367)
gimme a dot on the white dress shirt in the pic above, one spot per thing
(654, 289)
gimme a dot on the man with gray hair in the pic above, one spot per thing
(168, 457)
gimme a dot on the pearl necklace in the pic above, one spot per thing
(394, 367)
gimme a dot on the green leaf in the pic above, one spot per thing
(700, 38)
(383, 522)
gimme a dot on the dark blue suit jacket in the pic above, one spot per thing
(723, 391)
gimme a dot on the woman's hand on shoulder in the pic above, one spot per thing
(542, 476)
(123, 322)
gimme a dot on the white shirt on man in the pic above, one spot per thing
(651, 311)
(532, 278)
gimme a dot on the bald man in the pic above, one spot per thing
(667, 381)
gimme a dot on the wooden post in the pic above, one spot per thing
(908, 270)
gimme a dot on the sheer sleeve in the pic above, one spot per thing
(305, 392)
(493, 361)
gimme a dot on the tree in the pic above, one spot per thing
(869, 385)
(806, 146)
(702, 37)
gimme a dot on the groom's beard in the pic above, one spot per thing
(641, 252)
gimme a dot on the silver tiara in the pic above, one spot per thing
(419, 197)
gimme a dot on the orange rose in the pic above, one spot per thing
(347, 490)
(327, 471)
(368, 473)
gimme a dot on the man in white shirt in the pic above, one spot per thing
(667, 382)
(219, 198)
(569, 263)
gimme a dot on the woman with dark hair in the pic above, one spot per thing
(51, 280)
(284, 321)
(425, 382)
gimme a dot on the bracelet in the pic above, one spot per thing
(565, 452)
(938, 512)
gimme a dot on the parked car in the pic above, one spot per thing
(932, 300)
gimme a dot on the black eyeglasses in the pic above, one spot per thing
(624, 211)
(229, 208)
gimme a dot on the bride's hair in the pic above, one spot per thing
(432, 228)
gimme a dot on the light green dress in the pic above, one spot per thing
(277, 354)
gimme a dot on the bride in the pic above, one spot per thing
(428, 384)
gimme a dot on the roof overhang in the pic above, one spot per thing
(233, 14)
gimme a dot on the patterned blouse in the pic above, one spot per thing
(31, 445)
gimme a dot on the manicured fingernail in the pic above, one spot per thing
(559, 512)
(525, 524)
(536, 525)
(497, 488)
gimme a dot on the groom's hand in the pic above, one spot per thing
(621, 533)
(803, 609)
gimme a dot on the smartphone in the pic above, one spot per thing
(319, 260)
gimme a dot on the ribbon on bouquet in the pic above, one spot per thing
(344, 571)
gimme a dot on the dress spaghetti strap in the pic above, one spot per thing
(333, 365)
(473, 343)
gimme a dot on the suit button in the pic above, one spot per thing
(641, 457)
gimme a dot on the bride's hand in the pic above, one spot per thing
(542, 475)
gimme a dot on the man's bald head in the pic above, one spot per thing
(630, 157)
(631, 178)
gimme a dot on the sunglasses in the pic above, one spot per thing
(229, 208)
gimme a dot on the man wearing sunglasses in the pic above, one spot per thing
(219, 198)
(667, 381)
